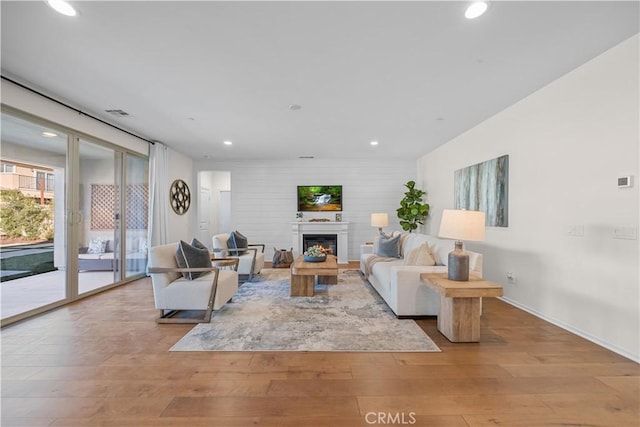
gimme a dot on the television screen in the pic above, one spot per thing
(318, 198)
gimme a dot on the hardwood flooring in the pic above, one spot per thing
(103, 361)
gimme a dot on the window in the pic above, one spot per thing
(7, 168)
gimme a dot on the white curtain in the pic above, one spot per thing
(158, 195)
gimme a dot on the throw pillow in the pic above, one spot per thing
(97, 246)
(198, 244)
(188, 256)
(420, 256)
(237, 241)
(389, 246)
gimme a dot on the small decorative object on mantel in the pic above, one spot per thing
(298, 216)
(338, 217)
(319, 220)
(180, 196)
(315, 253)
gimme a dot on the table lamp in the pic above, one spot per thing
(461, 225)
(379, 220)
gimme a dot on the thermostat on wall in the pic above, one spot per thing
(625, 181)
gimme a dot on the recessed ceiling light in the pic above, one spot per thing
(306, 157)
(373, 143)
(62, 7)
(228, 143)
(475, 9)
(49, 134)
(295, 107)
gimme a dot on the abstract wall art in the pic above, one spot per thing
(485, 187)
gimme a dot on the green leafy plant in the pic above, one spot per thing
(22, 216)
(412, 211)
(316, 251)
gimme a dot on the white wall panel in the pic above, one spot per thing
(264, 195)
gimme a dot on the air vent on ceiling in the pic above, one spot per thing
(306, 157)
(117, 113)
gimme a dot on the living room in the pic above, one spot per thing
(568, 143)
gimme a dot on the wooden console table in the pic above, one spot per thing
(459, 312)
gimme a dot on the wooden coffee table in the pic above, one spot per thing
(303, 275)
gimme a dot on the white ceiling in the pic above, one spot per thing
(411, 75)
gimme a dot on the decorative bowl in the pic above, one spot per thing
(310, 258)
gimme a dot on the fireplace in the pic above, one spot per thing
(323, 230)
(327, 241)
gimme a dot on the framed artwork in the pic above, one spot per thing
(180, 196)
(485, 187)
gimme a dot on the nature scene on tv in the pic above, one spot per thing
(320, 198)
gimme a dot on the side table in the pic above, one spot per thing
(459, 312)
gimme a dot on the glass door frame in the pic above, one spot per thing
(73, 214)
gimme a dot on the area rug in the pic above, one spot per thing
(348, 316)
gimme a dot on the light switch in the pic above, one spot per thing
(576, 230)
(628, 233)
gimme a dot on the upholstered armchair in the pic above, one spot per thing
(172, 292)
(250, 256)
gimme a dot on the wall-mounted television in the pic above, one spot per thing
(319, 198)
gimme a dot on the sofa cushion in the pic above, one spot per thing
(220, 241)
(97, 246)
(420, 256)
(188, 256)
(237, 241)
(389, 246)
(198, 244)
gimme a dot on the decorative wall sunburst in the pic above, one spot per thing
(180, 196)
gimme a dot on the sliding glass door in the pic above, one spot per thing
(98, 253)
(33, 220)
(73, 216)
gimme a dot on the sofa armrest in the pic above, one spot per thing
(367, 248)
(259, 245)
(475, 263)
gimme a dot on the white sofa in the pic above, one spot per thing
(399, 284)
(249, 263)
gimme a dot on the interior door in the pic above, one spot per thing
(204, 216)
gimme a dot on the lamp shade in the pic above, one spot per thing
(379, 220)
(462, 225)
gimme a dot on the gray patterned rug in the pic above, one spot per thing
(349, 316)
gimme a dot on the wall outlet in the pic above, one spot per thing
(511, 277)
(627, 233)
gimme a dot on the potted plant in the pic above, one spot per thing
(412, 210)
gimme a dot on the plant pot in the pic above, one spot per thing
(309, 258)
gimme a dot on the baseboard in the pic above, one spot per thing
(580, 333)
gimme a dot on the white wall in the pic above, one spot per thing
(264, 195)
(182, 227)
(567, 144)
(29, 102)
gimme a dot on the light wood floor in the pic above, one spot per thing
(103, 361)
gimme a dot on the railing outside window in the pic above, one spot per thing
(31, 183)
